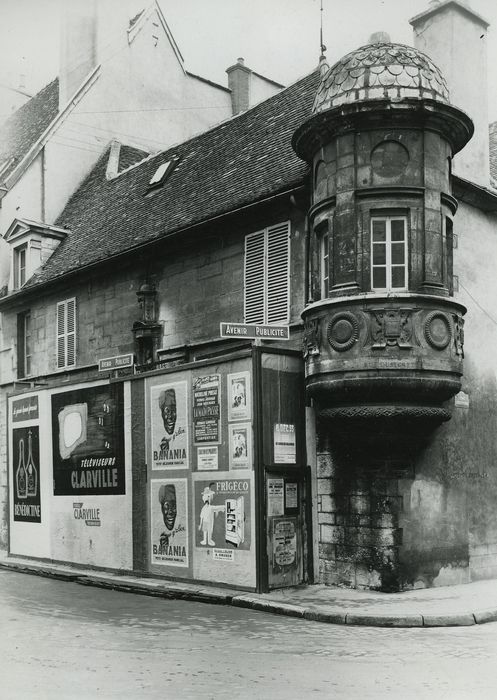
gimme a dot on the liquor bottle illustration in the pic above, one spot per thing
(31, 471)
(21, 481)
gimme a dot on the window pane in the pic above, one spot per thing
(379, 278)
(398, 277)
(398, 230)
(379, 254)
(379, 230)
(398, 253)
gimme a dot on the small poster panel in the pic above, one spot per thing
(207, 458)
(284, 542)
(26, 474)
(222, 516)
(25, 408)
(291, 495)
(285, 451)
(169, 522)
(169, 419)
(275, 497)
(239, 396)
(207, 409)
(88, 441)
(240, 446)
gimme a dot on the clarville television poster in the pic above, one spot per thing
(88, 441)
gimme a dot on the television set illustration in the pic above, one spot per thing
(235, 520)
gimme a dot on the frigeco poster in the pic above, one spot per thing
(169, 421)
(88, 441)
(26, 474)
(169, 522)
(222, 514)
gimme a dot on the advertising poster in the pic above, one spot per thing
(291, 491)
(285, 450)
(88, 441)
(275, 497)
(169, 420)
(207, 459)
(207, 409)
(169, 522)
(239, 396)
(26, 474)
(240, 446)
(284, 542)
(222, 516)
(25, 408)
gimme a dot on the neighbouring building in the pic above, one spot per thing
(262, 356)
(122, 78)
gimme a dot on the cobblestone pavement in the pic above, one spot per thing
(61, 640)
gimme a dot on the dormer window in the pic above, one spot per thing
(31, 245)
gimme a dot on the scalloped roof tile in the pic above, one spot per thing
(380, 70)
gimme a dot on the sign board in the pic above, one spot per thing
(109, 363)
(253, 330)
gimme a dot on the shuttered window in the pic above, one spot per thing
(24, 344)
(66, 333)
(267, 260)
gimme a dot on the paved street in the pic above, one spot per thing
(64, 640)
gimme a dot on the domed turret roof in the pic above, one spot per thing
(378, 71)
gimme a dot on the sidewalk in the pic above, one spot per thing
(468, 604)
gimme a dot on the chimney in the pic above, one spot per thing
(78, 46)
(455, 38)
(239, 84)
(379, 38)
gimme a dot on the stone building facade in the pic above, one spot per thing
(358, 451)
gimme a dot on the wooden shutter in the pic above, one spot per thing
(71, 332)
(255, 277)
(61, 338)
(277, 274)
(267, 261)
(66, 333)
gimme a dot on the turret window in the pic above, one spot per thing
(324, 254)
(389, 253)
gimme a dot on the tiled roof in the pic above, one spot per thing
(129, 155)
(242, 160)
(21, 130)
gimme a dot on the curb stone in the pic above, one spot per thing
(486, 616)
(333, 618)
(278, 608)
(161, 589)
(371, 620)
(449, 620)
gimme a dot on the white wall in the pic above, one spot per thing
(261, 89)
(456, 42)
(142, 97)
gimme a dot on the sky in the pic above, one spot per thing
(277, 38)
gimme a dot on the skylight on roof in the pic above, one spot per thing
(162, 172)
